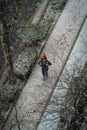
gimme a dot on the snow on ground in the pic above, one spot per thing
(77, 59)
(36, 93)
(40, 12)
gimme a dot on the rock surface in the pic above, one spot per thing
(36, 93)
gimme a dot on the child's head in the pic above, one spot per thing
(43, 56)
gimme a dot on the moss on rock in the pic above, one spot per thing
(30, 34)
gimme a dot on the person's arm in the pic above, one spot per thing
(49, 63)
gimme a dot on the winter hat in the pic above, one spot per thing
(43, 56)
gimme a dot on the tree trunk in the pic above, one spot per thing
(7, 53)
(5, 44)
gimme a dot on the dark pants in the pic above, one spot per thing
(45, 72)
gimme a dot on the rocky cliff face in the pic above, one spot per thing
(25, 10)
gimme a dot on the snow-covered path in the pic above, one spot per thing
(40, 11)
(36, 93)
(51, 119)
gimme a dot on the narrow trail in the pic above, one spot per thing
(57, 106)
(40, 12)
(35, 95)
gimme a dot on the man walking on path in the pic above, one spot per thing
(44, 63)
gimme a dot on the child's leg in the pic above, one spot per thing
(43, 74)
(46, 74)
